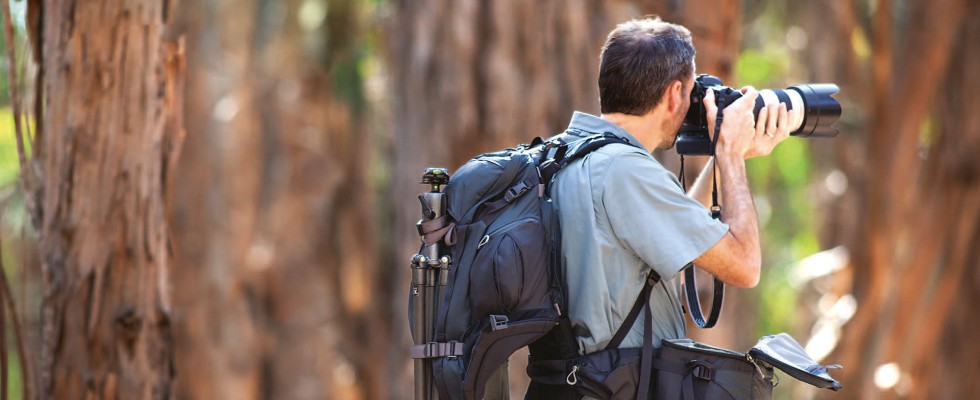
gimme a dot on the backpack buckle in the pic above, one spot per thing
(498, 322)
(701, 369)
(516, 191)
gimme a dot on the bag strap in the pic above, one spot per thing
(642, 301)
(565, 152)
(557, 153)
(646, 355)
(588, 145)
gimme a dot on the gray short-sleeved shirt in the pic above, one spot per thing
(623, 213)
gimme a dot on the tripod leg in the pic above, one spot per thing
(430, 327)
(419, 329)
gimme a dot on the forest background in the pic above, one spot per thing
(216, 198)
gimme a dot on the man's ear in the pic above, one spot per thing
(675, 96)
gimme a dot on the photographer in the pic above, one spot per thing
(622, 213)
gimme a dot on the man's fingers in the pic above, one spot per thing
(711, 110)
(709, 100)
(784, 120)
(760, 124)
(749, 94)
(795, 117)
(775, 114)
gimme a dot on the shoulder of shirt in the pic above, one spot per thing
(624, 155)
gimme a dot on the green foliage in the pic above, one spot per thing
(760, 68)
(9, 166)
(780, 182)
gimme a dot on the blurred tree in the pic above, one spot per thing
(112, 91)
(474, 76)
(910, 221)
(278, 286)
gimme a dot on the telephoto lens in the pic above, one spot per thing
(820, 111)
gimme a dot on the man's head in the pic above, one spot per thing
(644, 63)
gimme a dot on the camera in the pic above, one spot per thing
(820, 110)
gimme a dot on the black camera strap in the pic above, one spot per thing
(690, 282)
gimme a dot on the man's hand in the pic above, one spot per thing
(771, 129)
(738, 136)
(737, 129)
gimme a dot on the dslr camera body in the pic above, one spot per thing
(820, 110)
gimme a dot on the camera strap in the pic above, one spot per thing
(690, 282)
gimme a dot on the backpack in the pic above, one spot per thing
(504, 289)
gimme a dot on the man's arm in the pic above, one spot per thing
(701, 189)
(736, 259)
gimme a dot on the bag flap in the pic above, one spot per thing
(690, 345)
(785, 354)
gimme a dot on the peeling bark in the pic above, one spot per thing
(111, 86)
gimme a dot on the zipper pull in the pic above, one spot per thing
(758, 368)
(486, 238)
(571, 379)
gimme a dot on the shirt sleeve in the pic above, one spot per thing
(650, 214)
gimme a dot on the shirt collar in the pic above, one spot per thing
(585, 124)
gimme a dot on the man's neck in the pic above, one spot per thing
(648, 129)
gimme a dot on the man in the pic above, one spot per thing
(622, 214)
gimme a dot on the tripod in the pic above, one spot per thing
(430, 268)
(430, 272)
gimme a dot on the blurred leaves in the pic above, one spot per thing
(9, 167)
(780, 182)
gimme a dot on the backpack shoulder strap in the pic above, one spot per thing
(584, 147)
(559, 152)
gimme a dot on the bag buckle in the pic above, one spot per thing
(451, 353)
(498, 322)
(516, 191)
(701, 369)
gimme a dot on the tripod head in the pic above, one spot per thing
(435, 177)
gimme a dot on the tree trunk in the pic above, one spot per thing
(112, 85)
(278, 285)
(909, 221)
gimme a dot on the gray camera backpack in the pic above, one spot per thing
(503, 289)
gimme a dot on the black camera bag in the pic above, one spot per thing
(687, 370)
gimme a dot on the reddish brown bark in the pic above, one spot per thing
(112, 83)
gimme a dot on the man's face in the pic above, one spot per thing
(675, 121)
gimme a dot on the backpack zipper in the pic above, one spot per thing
(486, 238)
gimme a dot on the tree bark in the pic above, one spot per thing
(112, 86)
